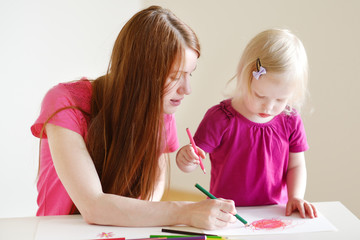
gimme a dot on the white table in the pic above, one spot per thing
(348, 226)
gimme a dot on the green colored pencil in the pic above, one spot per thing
(213, 197)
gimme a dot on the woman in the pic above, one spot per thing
(104, 143)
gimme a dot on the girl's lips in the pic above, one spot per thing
(264, 115)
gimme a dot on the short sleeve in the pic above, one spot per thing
(297, 137)
(212, 128)
(57, 108)
(172, 141)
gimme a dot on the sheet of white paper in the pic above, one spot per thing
(262, 220)
(71, 228)
(268, 220)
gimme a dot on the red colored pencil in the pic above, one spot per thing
(195, 149)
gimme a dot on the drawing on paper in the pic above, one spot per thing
(106, 235)
(270, 224)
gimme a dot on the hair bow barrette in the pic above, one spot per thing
(260, 70)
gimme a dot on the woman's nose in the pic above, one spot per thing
(185, 87)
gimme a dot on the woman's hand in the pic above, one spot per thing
(304, 208)
(212, 213)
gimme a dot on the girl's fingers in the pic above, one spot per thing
(301, 208)
(309, 209)
(314, 210)
(188, 156)
(201, 153)
(192, 154)
(288, 210)
(191, 160)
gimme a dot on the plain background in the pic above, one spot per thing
(44, 42)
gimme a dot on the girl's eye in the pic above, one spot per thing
(258, 96)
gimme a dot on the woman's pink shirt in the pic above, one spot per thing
(52, 196)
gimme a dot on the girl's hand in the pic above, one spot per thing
(186, 158)
(304, 208)
(212, 214)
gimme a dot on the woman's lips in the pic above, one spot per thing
(175, 102)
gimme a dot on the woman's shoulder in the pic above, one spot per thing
(83, 85)
(76, 93)
(58, 107)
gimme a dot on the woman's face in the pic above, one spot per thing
(178, 81)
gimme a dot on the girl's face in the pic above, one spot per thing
(178, 82)
(268, 97)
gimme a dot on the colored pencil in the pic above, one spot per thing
(186, 232)
(213, 197)
(158, 238)
(182, 236)
(122, 238)
(195, 149)
(188, 237)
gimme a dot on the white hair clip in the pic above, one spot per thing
(260, 70)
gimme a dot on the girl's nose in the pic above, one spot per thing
(268, 106)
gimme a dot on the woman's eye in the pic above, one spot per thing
(176, 78)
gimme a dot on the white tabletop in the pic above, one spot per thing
(348, 226)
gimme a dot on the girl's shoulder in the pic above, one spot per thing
(291, 117)
(219, 118)
(291, 120)
(222, 111)
(214, 126)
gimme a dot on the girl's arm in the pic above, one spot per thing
(186, 158)
(77, 172)
(296, 185)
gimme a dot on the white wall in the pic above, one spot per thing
(46, 42)
(330, 32)
(43, 43)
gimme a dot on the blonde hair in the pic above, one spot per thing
(280, 52)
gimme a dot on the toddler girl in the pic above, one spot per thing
(256, 139)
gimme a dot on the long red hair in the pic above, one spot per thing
(125, 136)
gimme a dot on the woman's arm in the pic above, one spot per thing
(296, 185)
(160, 185)
(77, 172)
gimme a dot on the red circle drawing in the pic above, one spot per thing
(269, 224)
